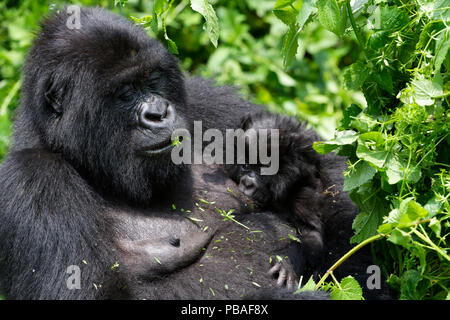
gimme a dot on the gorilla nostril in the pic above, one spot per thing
(153, 117)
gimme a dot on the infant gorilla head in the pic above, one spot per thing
(109, 105)
(296, 190)
(298, 162)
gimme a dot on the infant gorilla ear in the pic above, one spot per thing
(296, 190)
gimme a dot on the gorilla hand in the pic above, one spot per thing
(283, 272)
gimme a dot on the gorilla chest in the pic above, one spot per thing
(224, 245)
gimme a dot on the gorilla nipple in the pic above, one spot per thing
(174, 241)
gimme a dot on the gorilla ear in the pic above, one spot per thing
(53, 97)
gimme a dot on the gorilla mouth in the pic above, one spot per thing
(157, 148)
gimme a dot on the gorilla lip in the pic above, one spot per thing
(161, 147)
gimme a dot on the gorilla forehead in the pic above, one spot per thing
(125, 49)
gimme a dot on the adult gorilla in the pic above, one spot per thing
(89, 180)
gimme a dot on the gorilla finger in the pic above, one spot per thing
(275, 269)
(282, 277)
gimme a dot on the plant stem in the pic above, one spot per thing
(346, 256)
(428, 241)
(353, 23)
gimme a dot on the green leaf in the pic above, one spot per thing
(212, 22)
(350, 290)
(397, 170)
(352, 111)
(409, 281)
(329, 15)
(145, 21)
(442, 46)
(341, 138)
(372, 207)
(361, 173)
(172, 46)
(435, 225)
(392, 18)
(441, 10)
(285, 11)
(401, 238)
(290, 45)
(323, 147)
(410, 212)
(309, 286)
(424, 91)
(290, 42)
(355, 75)
(376, 157)
(384, 79)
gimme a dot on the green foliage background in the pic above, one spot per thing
(371, 76)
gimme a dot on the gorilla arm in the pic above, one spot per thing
(50, 221)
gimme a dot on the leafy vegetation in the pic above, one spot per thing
(377, 71)
(398, 146)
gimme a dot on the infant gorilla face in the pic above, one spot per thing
(253, 184)
(297, 160)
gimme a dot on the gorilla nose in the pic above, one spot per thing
(248, 185)
(248, 182)
(153, 112)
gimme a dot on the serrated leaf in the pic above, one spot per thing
(361, 173)
(424, 91)
(290, 45)
(290, 41)
(410, 212)
(376, 157)
(409, 281)
(400, 238)
(341, 138)
(352, 111)
(372, 209)
(442, 46)
(350, 290)
(328, 14)
(397, 169)
(355, 75)
(212, 22)
(441, 10)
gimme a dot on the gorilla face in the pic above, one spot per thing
(105, 85)
(298, 161)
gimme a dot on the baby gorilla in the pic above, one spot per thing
(296, 191)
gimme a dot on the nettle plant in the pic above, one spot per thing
(398, 146)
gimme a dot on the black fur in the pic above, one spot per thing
(297, 190)
(306, 191)
(78, 188)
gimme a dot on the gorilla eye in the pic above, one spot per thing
(154, 77)
(246, 167)
(126, 93)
